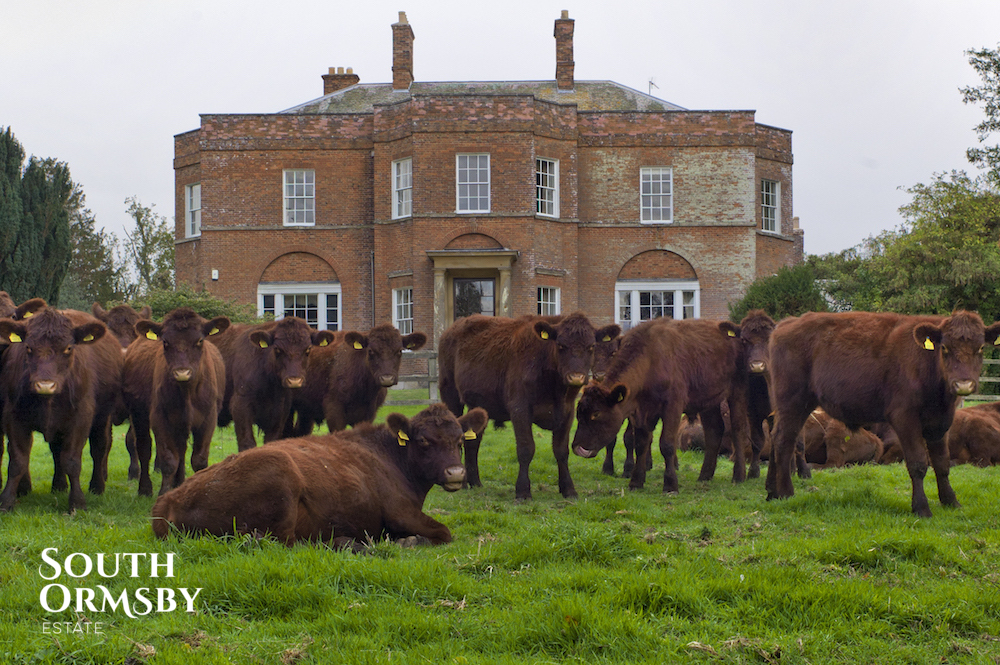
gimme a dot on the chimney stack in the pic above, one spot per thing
(402, 54)
(338, 79)
(564, 51)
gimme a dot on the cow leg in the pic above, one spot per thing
(243, 418)
(525, 441)
(18, 460)
(139, 427)
(560, 449)
(787, 424)
(642, 437)
(472, 462)
(668, 448)
(59, 483)
(739, 426)
(756, 445)
(133, 455)
(941, 461)
(72, 463)
(915, 457)
(714, 426)
(201, 442)
(410, 521)
(335, 415)
(608, 468)
(100, 449)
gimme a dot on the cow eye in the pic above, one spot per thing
(590, 349)
(68, 350)
(980, 352)
(308, 350)
(166, 345)
(944, 351)
(595, 415)
(199, 343)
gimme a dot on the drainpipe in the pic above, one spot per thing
(372, 263)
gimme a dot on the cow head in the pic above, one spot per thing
(572, 342)
(433, 440)
(957, 343)
(755, 331)
(599, 417)
(287, 346)
(46, 342)
(7, 305)
(182, 335)
(608, 339)
(121, 320)
(383, 350)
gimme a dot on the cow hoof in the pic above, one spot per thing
(608, 470)
(413, 541)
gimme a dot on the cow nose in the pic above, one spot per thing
(387, 380)
(599, 376)
(182, 375)
(964, 388)
(758, 367)
(294, 382)
(583, 452)
(45, 387)
(454, 477)
(576, 379)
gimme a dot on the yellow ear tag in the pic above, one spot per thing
(403, 438)
(324, 343)
(470, 435)
(607, 338)
(621, 398)
(28, 315)
(358, 345)
(88, 338)
(213, 331)
(731, 333)
(847, 438)
(14, 338)
(151, 335)
(262, 344)
(928, 344)
(544, 335)
(996, 342)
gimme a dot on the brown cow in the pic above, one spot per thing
(174, 383)
(265, 364)
(974, 437)
(520, 370)
(863, 367)
(829, 443)
(663, 369)
(755, 331)
(61, 380)
(348, 381)
(363, 484)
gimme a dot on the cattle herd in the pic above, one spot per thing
(815, 391)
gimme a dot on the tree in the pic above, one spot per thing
(149, 249)
(95, 272)
(789, 292)
(986, 62)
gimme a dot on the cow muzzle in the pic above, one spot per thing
(599, 376)
(758, 367)
(580, 451)
(576, 379)
(387, 380)
(454, 478)
(963, 388)
(45, 387)
(182, 375)
(294, 382)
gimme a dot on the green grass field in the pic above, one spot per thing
(839, 573)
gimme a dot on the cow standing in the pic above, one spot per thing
(520, 370)
(347, 381)
(62, 380)
(666, 368)
(265, 364)
(174, 383)
(349, 486)
(862, 367)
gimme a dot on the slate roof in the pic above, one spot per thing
(586, 95)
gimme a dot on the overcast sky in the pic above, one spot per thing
(869, 88)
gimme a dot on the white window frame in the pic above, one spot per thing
(192, 210)
(402, 188)
(549, 300)
(324, 321)
(546, 187)
(295, 192)
(402, 309)
(656, 202)
(635, 288)
(770, 205)
(464, 183)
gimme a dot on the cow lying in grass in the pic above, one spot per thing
(340, 488)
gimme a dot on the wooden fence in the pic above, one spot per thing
(986, 379)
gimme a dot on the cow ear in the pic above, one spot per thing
(356, 340)
(400, 427)
(98, 311)
(729, 329)
(414, 341)
(608, 333)
(474, 421)
(146, 312)
(148, 329)
(618, 394)
(322, 338)
(12, 331)
(28, 308)
(261, 338)
(927, 335)
(217, 325)
(89, 333)
(545, 331)
(993, 333)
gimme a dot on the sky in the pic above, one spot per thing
(869, 88)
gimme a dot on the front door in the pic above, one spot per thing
(474, 295)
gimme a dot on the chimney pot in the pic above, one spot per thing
(402, 54)
(564, 51)
(337, 79)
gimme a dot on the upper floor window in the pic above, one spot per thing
(547, 187)
(402, 310)
(402, 188)
(192, 210)
(548, 300)
(642, 301)
(300, 197)
(769, 209)
(656, 193)
(473, 179)
(317, 303)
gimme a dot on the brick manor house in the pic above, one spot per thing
(418, 203)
